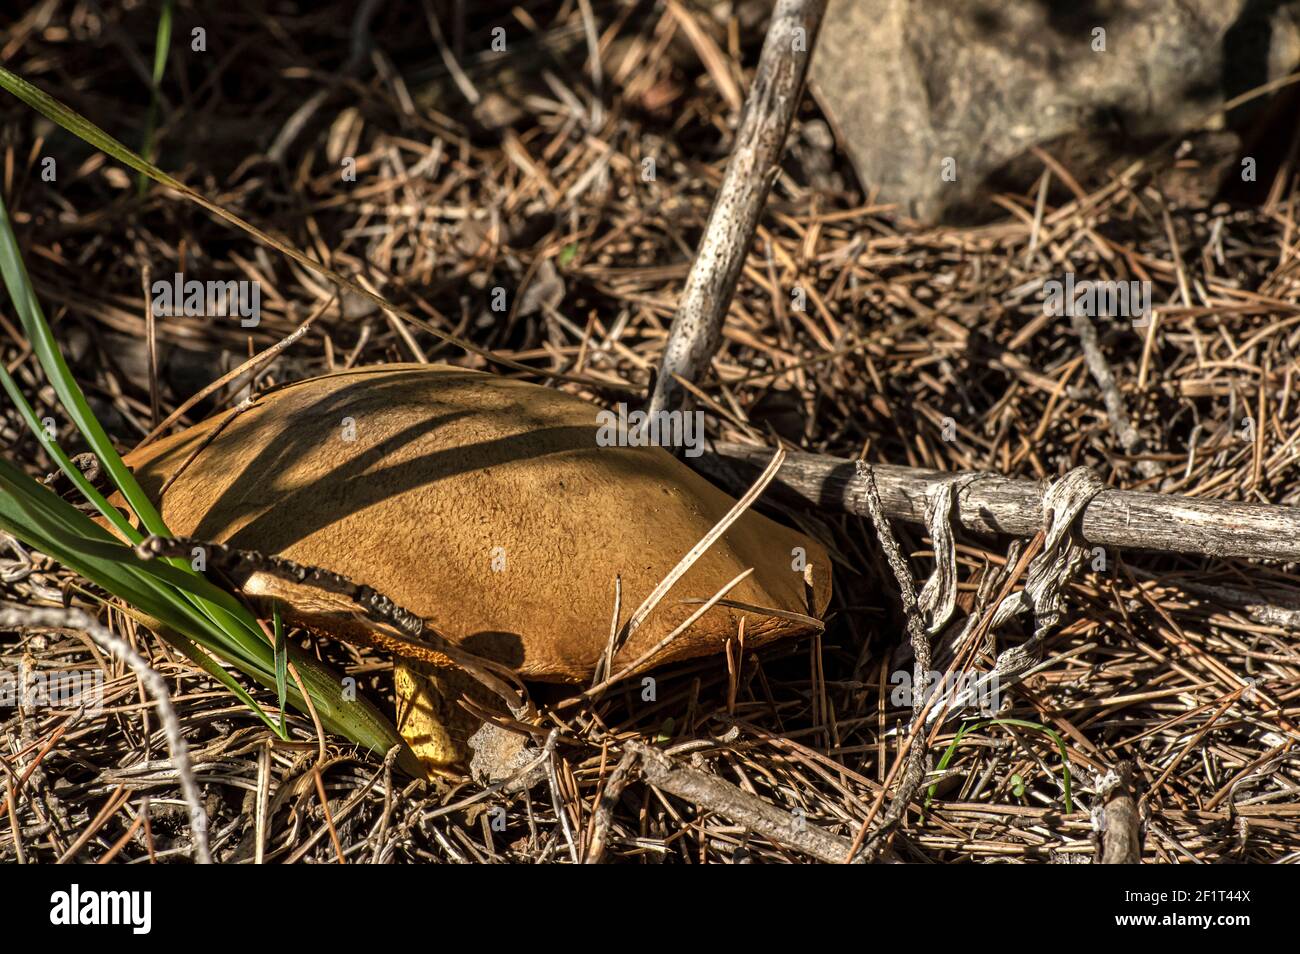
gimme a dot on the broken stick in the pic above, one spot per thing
(1126, 519)
(716, 795)
(769, 107)
(1117, 821)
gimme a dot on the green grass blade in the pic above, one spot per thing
(171, 592)
(162, 43)
(281, 662)
(60, 377)
(78, 542)
(19, 286)
(183, 600)
(107, 550)
(37, 523)
(65, 464)
(45, 522)
(1018, 723)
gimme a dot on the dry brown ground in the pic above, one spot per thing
(904, 327)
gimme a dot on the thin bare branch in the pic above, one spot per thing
(778, 85)
(1126, 519)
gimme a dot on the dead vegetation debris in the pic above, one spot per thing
(853, 332)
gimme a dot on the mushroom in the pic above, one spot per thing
(486, 506)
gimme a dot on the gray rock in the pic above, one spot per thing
(912, 83)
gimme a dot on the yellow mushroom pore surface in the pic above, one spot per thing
(486, 506)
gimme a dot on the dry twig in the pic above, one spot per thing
(997, 504)
(14, 617)
(769, 108)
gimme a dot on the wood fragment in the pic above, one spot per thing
(913, 760)
(710, 792)
(1126, 519)
(1125, 432)
(604, 815)
(1120, 835)
(769, 108)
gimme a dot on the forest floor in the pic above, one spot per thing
(854, 332)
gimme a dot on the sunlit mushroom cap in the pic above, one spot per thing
(487, 506)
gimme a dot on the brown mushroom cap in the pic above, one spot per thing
(486, 506)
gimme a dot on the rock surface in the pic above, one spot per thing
(912, 83)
